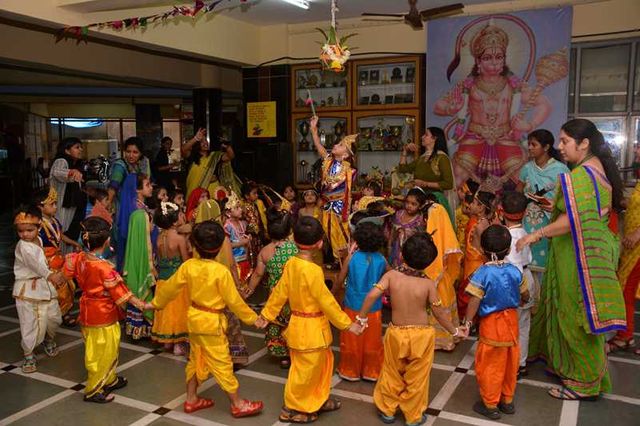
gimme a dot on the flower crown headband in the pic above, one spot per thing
(165, 206)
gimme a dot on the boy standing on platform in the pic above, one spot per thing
(211, 290)
(496, 289)
(409, 342)
(308, 335)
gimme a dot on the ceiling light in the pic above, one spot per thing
(304, 4)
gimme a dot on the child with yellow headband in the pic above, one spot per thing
(34, 289)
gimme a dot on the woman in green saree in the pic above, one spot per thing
(432, 170)
(581, 298)
(209, 169)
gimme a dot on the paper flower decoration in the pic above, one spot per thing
(335, 53)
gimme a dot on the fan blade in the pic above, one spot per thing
(383, 20)
(443, 10)
(392, 15)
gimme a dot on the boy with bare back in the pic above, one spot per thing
(409, 342)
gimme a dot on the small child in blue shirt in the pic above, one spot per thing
(496, 289)
(361, 356)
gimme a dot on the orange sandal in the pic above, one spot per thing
(200, 404)
(247, 408)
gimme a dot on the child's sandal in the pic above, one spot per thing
(292, 416)
(247, 408)
(119, 383)
(100, 398)
(50, 348)
(330, 404)
(29, 364)
(200, 404)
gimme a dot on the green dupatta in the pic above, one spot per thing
(595, 246)
(138, 261)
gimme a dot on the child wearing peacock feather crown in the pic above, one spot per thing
(336, 182)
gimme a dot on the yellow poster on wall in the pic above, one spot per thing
(261, 119)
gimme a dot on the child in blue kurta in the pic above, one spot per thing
(361, 356)
(496, 289)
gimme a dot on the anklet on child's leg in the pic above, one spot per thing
(29, 364)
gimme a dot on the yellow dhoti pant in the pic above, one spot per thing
(209, 355)
(100, 356)
(336, 231)
(38, 318)
(309, 382)
(404, 379)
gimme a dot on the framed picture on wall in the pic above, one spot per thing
(374, 77)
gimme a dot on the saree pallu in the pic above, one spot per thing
(629, 270)
(536, 179)
(102, 345)
(581, 298)
(444, 271)
(211, 173)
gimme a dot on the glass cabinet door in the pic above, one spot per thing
(382, 137)
(385, 85)
(331, 129)
(328, 90)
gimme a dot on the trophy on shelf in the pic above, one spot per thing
(303, 127)
(338, 130)
(303, 170)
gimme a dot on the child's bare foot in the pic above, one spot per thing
(179, 349)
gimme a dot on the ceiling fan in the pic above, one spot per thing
(415, 17)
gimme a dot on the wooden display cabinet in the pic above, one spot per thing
(332, 127)
(382, 135)
(387, 83)
(329, 90)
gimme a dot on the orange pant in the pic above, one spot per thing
(361, 356)
(497, 357)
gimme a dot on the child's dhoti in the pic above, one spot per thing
(361, 356)
(102, 345)
(37, 319)
(309, 382)
(336, 231)
(209, 355)
(497, 357)
(404, 380)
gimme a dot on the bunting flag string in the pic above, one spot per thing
(80, 33)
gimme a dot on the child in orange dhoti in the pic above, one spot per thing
(211, 289)
(361, 356)
(308, 335)
(496, 289)
(410, 341)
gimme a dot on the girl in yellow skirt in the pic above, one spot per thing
(170, 323)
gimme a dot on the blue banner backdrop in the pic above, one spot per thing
(491, 80)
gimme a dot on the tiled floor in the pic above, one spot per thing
(53, 395)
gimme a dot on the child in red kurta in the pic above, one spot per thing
(104, 295)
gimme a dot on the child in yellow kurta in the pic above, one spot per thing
(211, 290)
(409, 342)
(308, 335)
